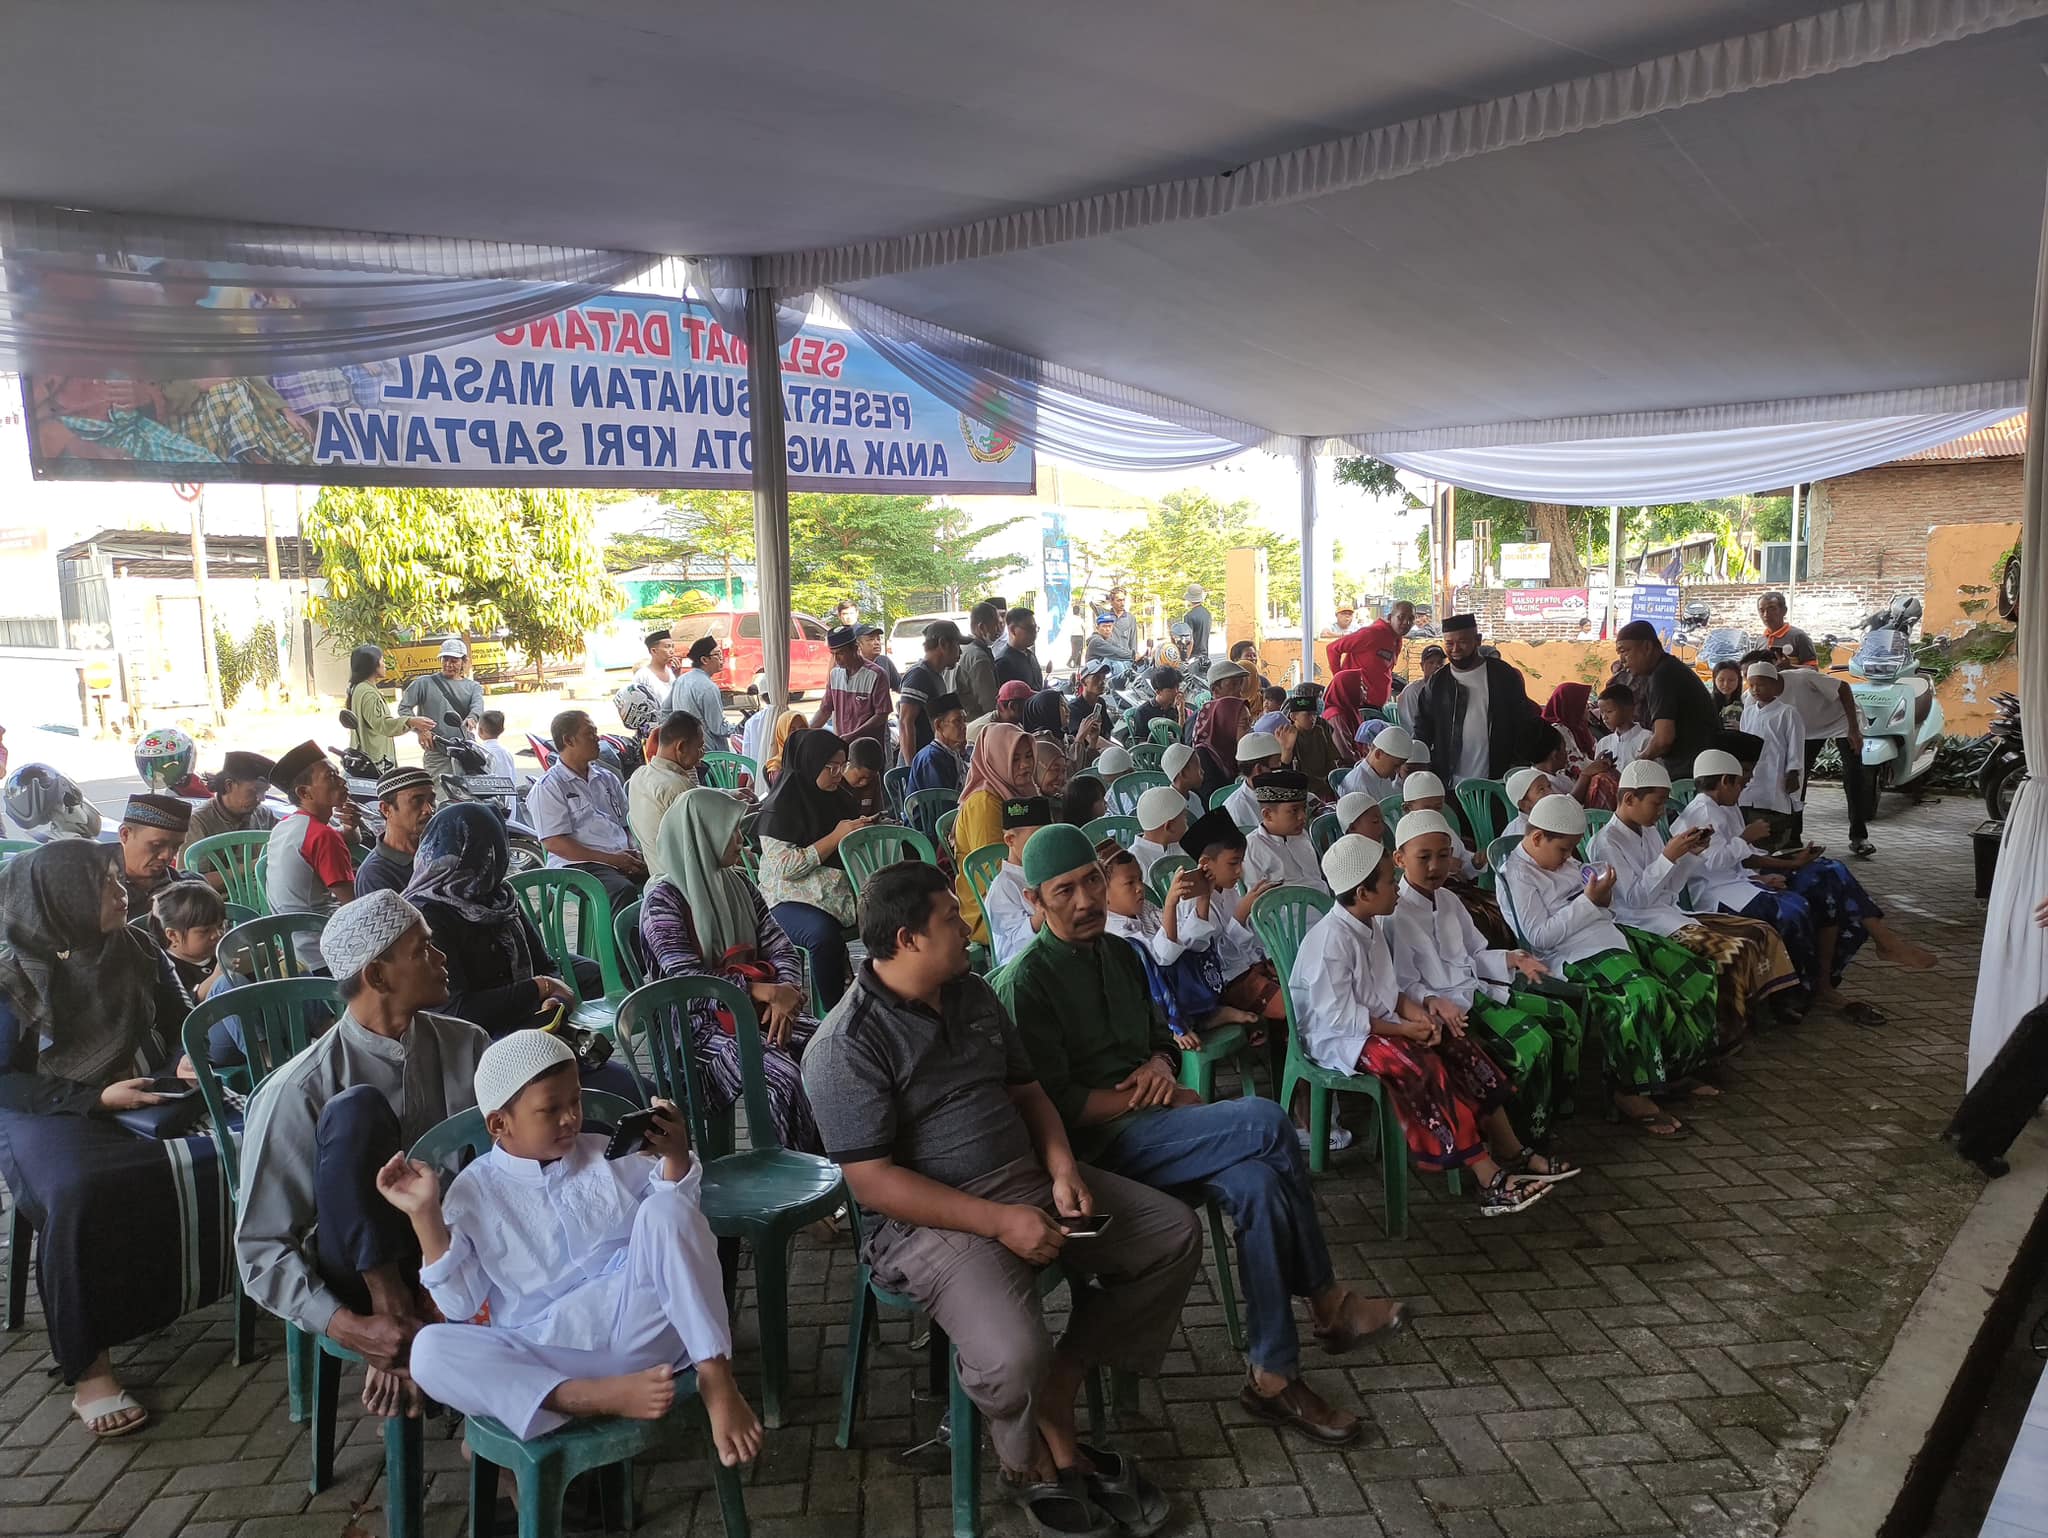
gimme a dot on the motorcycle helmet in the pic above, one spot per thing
(638, 710)
(37, 796)
(164, 759)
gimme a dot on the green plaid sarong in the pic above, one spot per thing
(1535, 1039)
(1651, 1034)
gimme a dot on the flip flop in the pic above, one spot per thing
(1061, 1508)
(1651, 1121)
(1856, 1012)
(111, 1404)
(1138, 1506)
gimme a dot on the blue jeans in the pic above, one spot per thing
(819, 933)
(1245, 1154)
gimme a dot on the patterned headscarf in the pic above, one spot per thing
(461, 864)
(691, 846)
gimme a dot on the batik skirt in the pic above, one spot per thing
(1486, 914)
(1750, 960)
(131, 1233)
(1534, 1038)
(1439, 1093)
(1654, 1007)
(1817, 896)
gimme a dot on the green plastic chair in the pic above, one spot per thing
(1324, 832)
(1217, 799)
(233, 857)
(551, 899)
(262, 903)
(1164, 869)
(867, 850)
(1497, 854)
(1124, 793)
(1146, 756)
(1280, 919)
(1124, 830)
(1596, 819)
(1682, 792)
(1392, 808)
(1163, 732)
(923, 808)
(942, 830)
(894, 783)
(1482, 802)
(262, 949)
(626, 944)
(762, 1195)
(1391, 711)
(24, 845)
(723, 770)
(238, 914)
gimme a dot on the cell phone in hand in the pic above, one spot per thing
(171, 1087)
(1086, 1227)
(630, 1135)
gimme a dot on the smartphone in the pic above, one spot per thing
(630, 1135)
(1085, 1227)
(171, 1087)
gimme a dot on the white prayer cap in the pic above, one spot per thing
(1178, 756)
(1714, 762)
(1520, 781)
(1114, 760)
(1353, 806)
(361, 931)
(1418, 751)
(1420, 786)
(1645, 774)
(1417, 824)
(1159, 806)
(1394, 742)
(1253, 746)
(512, 1062)
(1349, 861)
(1761, 670)
(1559, 814)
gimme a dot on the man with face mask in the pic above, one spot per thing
(1474, 711)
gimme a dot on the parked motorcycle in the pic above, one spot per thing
(2006, 764)
(1902, 721)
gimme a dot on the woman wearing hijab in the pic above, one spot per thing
(707, 920)
(801, 826)
(377, 727)
(1046, 713)
(131, 1230)
(1581, 775)
(1004, 769)
(1223, 720)
(789, 723)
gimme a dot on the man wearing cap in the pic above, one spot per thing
(658, 677)
(1475, 712)
(237, 804)
(310, 870)
(974, 679)
(696, 691)
(856, 692)
(870, 638)
(1378, 770)
(1106, 1060)
(1016, 655)
(1103, 645)
(1410, 699)
(1278, 850)
(1773, 792)
(1123, 625)
(314, 1242)
(1086, 705)
(1346, 620)
(152, 829)
(1257, 753)
(1199, 621)
(578, 810)
(406, 798)
(923, 684)
(1308, 746)
(1673, 703)
(435, 697)
(1374, 649)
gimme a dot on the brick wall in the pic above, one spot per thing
(1872, 526)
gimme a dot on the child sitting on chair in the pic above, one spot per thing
(1278, 851)
(1624, 739)
(1181, 952)
(1354, 1018)
(1525, 787)
(1422, 790)
(1378, 771)
(600, 1276)
(1011, 922)
(1162, 821)
(192, 918)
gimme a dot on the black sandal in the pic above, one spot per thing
(1138, 1506)
(1060, 1508)
(1509, 1193)
(1856, 1012)
(1561, 1168)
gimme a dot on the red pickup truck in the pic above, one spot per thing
(739, 636)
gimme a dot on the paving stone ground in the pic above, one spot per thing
(1666, 1346)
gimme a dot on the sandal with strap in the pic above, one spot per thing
(1508, 1193)
(1856, 1012)
(1138, 1506)
(119, 1403)
(1561, 1168)
(1060, 1508)
(1656, 1123)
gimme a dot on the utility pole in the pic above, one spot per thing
(206, 647)
(1613, 565)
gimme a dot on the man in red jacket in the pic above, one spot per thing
(1373, 650)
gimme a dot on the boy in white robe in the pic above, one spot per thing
(600, 1276)
(1525, 788)
(1359, 812)
(1278, 852)
(1162, 822)
(1010, 922)
(1180, 950)
(1378, 772)
(1624, 739)
(1776, 783)
(1423, 791)
(1257, 753)
(1182, 766)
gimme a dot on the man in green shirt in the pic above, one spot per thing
(1104, 1057)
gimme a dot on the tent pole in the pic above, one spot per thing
(1305, 460)
(1792, 555)
(771, 494)
(1613, 565)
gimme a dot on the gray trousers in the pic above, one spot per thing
(986, 1299)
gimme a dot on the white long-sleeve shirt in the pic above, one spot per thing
(1439, 952)
(1646, 884)
(1290, 861)
(1623, 747)
(544, 1245)
(1243, 806)
(1729, 882)
(1784, 739)
(1343, 980)
(1363, 777)
(1237, 948)
(1557, 920)
(1009, 912)
(1149, 854)
(1144, 928)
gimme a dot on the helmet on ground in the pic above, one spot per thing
(164, 759)
(37, 796)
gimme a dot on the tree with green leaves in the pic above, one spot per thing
(472, 560)
(1185, 538)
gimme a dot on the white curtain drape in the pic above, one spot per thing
(2012, 976)
(1060, 410)
(107, 296)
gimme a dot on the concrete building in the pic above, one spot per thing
(1887, 511)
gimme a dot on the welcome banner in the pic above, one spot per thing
(631, 390)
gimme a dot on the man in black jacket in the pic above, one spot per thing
(1473, 713)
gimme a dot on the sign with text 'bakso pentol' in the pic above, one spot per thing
(625, 390)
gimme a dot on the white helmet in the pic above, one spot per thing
(37, 796)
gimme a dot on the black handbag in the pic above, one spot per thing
(178, 1115)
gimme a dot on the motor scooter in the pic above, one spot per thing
(1902, 720)
(2006, 764)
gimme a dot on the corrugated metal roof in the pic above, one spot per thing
(2001, 440)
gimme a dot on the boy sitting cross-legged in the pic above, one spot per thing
(1181, 952)
(1354, 1018)
(600, 1275)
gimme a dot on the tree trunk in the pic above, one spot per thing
(1552, 521)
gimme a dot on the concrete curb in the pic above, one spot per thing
(1880, 1477)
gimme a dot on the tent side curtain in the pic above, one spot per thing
(1685, 466)
(120, 296)
(1061, 411)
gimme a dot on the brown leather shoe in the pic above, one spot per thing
(1301, 1407)
(1362, 1319)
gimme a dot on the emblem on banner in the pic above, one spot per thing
(987, 444)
